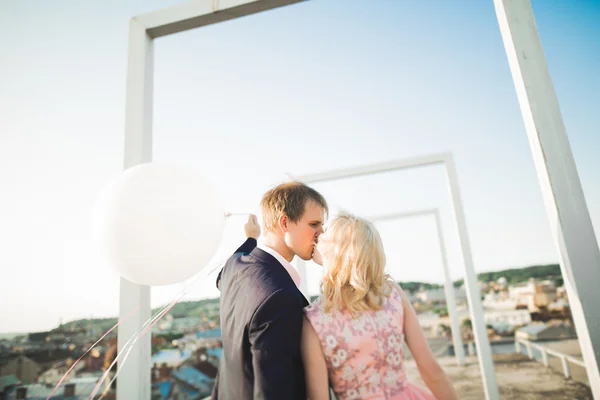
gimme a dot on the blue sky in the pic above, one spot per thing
(301, 89)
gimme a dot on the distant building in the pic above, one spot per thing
(7, 384)
(439, 295)
(214, 334)
(499, 301)
(24, 368)
(78, 389)
(431, 322)
(186, 324)
(505, 320)
(172, 358)
(502, 282)
(535, 332)
(533, 295)
(193, 382)
(54, 374)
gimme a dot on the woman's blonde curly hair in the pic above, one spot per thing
(355, 278)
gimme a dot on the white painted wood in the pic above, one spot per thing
(450, 298)
(559, 181)
(198, 13)
(566, 368)
(470, 348)
(133, 380)
(546, 352)
(448, 285)
(484, 352)
(370, 169)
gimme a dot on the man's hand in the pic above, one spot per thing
(252, 228)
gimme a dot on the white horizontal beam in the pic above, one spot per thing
(394, 165)
(198, 13)
(406, 214)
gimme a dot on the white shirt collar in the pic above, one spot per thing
(285, 263)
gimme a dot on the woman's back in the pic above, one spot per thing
(365, 355)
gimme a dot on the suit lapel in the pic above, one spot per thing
(271, 261)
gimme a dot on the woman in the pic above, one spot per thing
(353, 334)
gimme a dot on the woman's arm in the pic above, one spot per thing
(315, 367)
(432, 373)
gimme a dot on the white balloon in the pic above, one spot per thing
(159, 224)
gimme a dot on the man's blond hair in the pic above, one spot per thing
(288, 199)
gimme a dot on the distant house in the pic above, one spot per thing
(209, 334)
(216, 352)
(499, 301)
(77, 389)
(193, 381)
(535, 332)
(504, 320)
(533, 294)
(439, 295)
(55, 373)
(23, 367)
(91, 367)
(172, 358)
(5, 346)
(186, 324)
(7, 383)
(162, 390)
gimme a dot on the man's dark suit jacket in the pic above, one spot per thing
(261, 324)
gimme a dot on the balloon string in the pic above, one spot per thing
(127, 347)
(156, 317)
(88, 350)
(152, 320)
(228, 214)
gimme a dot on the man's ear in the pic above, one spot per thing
(283, 223)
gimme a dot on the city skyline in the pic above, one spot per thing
(394, 81)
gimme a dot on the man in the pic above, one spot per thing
(261, 306)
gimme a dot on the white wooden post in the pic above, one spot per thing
(459, 351)
(566, 367)
(133, 380)
(529, 350)
(544, 356)
(484, 350)
(559, 181)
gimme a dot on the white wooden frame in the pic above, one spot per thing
(133, 380)
(459, 351)
(484, 351)
(563, 194)
(565, 359)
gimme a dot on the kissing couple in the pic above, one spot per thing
(349, 341)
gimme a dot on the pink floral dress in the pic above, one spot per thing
(365, 355)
